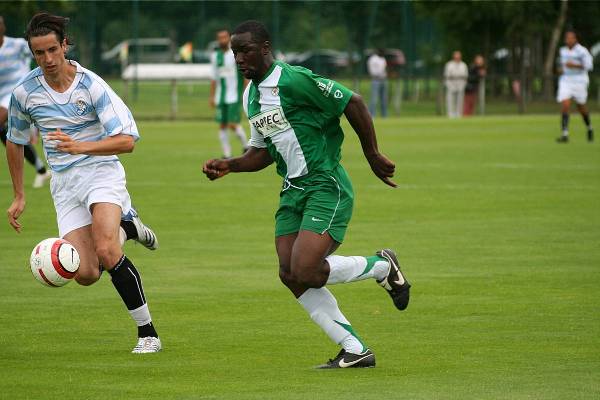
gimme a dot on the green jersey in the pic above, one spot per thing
(295, 115)
(228, 78)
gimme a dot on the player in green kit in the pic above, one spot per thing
(295, 122)
(226, 89)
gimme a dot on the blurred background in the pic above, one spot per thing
(518, 41)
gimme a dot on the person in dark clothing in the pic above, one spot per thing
(476, 72)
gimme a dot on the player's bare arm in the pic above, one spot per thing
(211, 96)
(358, 115)
(572, 64)
(109, 146)
(14, 155)
(253, 160)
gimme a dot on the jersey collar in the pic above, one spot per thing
(269, 72)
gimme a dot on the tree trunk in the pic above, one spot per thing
(549, 61)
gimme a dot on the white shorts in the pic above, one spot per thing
(572, 90)
(5, 101)
(76, 189)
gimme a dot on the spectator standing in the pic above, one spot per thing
(476, 72)
(455, 79)
(377, 68)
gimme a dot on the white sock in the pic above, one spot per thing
(323, 310)
(122, 236)
(239, 131)
(356, 268)
(224, 138)
(141, 315)
(39, 164)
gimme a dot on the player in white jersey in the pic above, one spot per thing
(14, 64)
(575, 62)
(84, 125)
(226, 89)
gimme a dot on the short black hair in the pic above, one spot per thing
(43, 23)
(257, 30)
(571, 30)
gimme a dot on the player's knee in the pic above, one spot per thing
(306, 277)
(87, 278)
(285, 275)
(107, 253)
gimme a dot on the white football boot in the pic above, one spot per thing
(147, 344)
(145, 235)
(40, 179)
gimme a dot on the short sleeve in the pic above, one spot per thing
(20, 128)
(588, 61)
(25, 53)
(213, 65)
(256, 139)
(325, 94)
(112, 112)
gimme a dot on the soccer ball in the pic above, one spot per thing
(54, 262)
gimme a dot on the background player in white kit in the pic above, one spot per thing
(15, 59)
(83, 124)
(575, 62)
(226, 90)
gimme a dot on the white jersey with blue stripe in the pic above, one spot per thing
(577, 54)
(15, 59)
(88, 111)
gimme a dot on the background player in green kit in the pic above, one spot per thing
(226, 89)
(295, 122)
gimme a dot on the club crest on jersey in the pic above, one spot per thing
(80, 107)
(275, 91)
(325, 87)
(270, 123)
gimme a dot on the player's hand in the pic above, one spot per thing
(65, 143)
(215, 169)
(572, 64)
(211, 102)
(383, 168)
(14, 212)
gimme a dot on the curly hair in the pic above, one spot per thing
(257, 29)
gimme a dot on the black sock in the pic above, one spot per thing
(32, 157)
(586, 119)
(128, 283)
(129, 229)
(565, 122)
(147, 330)
(3, 134)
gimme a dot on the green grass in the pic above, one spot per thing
(154, 100)
(497, 226)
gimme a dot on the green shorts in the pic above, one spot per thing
(319, 203)
(228, 113)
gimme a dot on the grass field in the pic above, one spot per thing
(193, 101)
(498, 228)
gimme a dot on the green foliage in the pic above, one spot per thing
(485, 26)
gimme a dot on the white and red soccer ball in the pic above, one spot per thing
(54, 262)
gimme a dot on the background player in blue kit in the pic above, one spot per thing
(15, 58)
(575, 62)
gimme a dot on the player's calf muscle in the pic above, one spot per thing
(309, 276)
